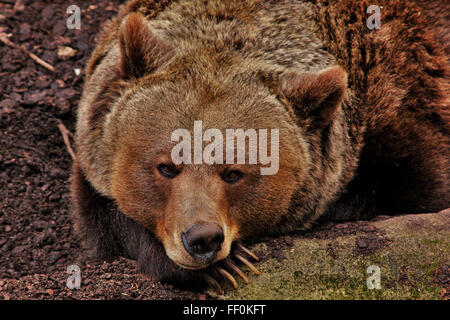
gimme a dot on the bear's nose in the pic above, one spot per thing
(202, 241)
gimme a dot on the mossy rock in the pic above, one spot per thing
(412, 253)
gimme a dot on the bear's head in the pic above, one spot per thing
(176, 168)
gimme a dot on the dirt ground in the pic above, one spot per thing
(37, 241)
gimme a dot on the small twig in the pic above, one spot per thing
(65, 134)
(4, 38)
(19, 6)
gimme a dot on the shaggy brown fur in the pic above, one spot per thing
(363, 118)
(401, 75)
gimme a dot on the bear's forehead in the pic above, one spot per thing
(176, 105)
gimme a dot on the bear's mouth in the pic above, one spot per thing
(190, 267)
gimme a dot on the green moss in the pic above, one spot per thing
(408, 266)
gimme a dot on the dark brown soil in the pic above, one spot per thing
(37, 242)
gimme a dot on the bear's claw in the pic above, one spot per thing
(221, 270)
(251, 254)
(235, 268)
(212, 283)
(248, 264)
(228, 276)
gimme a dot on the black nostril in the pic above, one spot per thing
(203, 240)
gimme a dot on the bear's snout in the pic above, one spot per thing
(203, 241)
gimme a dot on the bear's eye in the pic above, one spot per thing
(167, 171)
(232, 176)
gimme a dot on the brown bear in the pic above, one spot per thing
(362, 119)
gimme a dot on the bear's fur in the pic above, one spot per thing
(363, 118)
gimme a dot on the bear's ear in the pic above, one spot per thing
(316, 96)
(140, 49)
